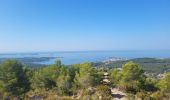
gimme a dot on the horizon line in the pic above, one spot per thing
(53, 51)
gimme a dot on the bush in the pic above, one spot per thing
(103, 91)
(13, 78)
(158, 95)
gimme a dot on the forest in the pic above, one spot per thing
(80, 82)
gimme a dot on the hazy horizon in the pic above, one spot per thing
(55, 51)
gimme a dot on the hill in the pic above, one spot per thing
(149, 65)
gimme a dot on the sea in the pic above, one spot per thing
(74, 57)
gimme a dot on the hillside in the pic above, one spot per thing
(150, 65)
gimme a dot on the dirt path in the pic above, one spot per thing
(117, 94)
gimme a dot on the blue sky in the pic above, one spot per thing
(80, 25)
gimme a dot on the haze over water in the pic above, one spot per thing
(74, 57)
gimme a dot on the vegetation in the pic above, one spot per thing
(79, 82)
(13, 79)
(152, 66)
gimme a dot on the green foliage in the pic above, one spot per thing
(131, 71)
(148, 84)
(131, 75)
(57, 79)
(13, 78)
(143, 95)
(104, 92)
(96, 77)
(54, 77)
(58, 63)
(43, 78)
(86, 76)
(158, 95)
(164, 83)
(46, 78)
(115, 76)
(64, 84)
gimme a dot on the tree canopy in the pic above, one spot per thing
(13, 78)
(81, 81)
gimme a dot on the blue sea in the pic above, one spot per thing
(74, 57)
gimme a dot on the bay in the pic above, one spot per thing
(73, 57)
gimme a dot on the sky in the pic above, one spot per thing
(81, 25)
